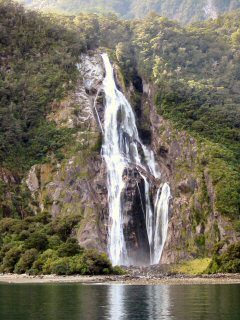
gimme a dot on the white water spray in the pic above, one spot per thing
(120, 150)
(161, 208)
(210, 10)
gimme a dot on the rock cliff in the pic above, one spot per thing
(77, 185)
(195, 226)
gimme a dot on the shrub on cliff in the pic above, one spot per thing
(63, 226)
(11, 226)
(37, 245)
(228, 261)
(89, 262)
(37, 240)
(10, 259)
(54, 242)
(95, 263)
(69, 248)
(61, 266)
(26, 260)
(43, 263)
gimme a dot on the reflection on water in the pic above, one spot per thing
(159, 303)
(138, 302)
(119, 302)
(116, 297)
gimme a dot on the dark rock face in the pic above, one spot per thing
(137, 83)
(133, 208)
(145, 135)
(163, 151)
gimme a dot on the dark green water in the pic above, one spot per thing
(117, 302)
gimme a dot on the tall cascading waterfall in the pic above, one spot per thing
(122, 148)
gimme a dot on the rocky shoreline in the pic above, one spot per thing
(123, 279)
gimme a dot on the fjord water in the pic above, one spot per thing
(119, 302)
(121, 151)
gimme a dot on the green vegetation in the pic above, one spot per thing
(38, 68)
(37, 245)
(185, 11)
(38, 58)
(228, 261)
(192, 267)
(195, 71)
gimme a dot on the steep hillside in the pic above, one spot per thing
(39, 74)
(185, 11)
(183, 84)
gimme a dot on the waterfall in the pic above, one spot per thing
(121, 149)
(161, 207)
(210, 10)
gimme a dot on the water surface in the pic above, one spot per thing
(117, 302)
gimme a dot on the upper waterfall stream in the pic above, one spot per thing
(122, 149)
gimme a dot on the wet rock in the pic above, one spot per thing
(133, 210)
(91, 68)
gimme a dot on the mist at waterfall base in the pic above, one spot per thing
(123, 152)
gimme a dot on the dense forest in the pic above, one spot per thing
(195, 71)
(185, 11)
